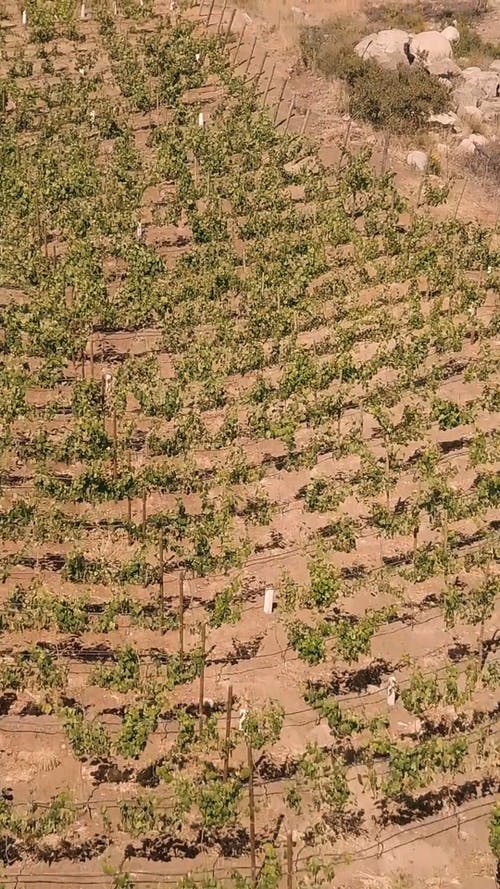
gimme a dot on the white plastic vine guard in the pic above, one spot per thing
(201, 119)
(392, 687)
(268, 600)
(24, 17)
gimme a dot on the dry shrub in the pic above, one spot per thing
(484, 164)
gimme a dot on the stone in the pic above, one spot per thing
(470, 72)
(478, 139)
(495, 66)
(388, 47)
(467, 95)
(446, 119)
(443, 68)
(466, 147)
(451, 33)
(481, 84)
(418, 160)
(429, 47)
(490, 110)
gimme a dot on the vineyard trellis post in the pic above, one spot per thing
(229, 28)
(306, 121)
(240, 41)
(221, 19)
(115, 444)
(210, 11)
(161, 585)
(91, 349)
(251, 805)
(227, 737)
(202, 677)
(280, 99)
(290, 112)
(268, 85)
(289, 860)
(250, 57)
(144, 508)
(181, 616)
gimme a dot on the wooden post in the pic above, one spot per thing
(83, 365)
(289, 860)
(445, 539)
(229, 27)
(200, 8)
(345, 143)
(201, 705)
(385, 153)
(240, 41)
(460, 200)
(261, 70)
(161, 587)
(250, 57)
(290, 112)
(227, 739)
(251, 802)
(210, 11)
(181, 616)
(91, 346)
(280, 99)
(306, 121)
(144, 509)
(223, 11)
(115, 445)
(268, 87)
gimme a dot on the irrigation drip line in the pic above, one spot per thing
(316, 716)
(90, 803)
(374, 850)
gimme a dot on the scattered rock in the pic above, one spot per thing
(430, 47)
(307, 164)
(443, 68)
(446, 119)
(490, 110)
(466, 147)
(388, 48)
(451, 33)
(470, 72)
(418, 160)
(478, 139)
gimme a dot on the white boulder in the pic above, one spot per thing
(418, 160)
(478, 139)
(451, 33)
(473, 71)
(388, 47)
(466, 147)
(495, 66)
(430, 47)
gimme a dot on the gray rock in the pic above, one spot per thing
(388, 47)
(430, 47)
(418, 160)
